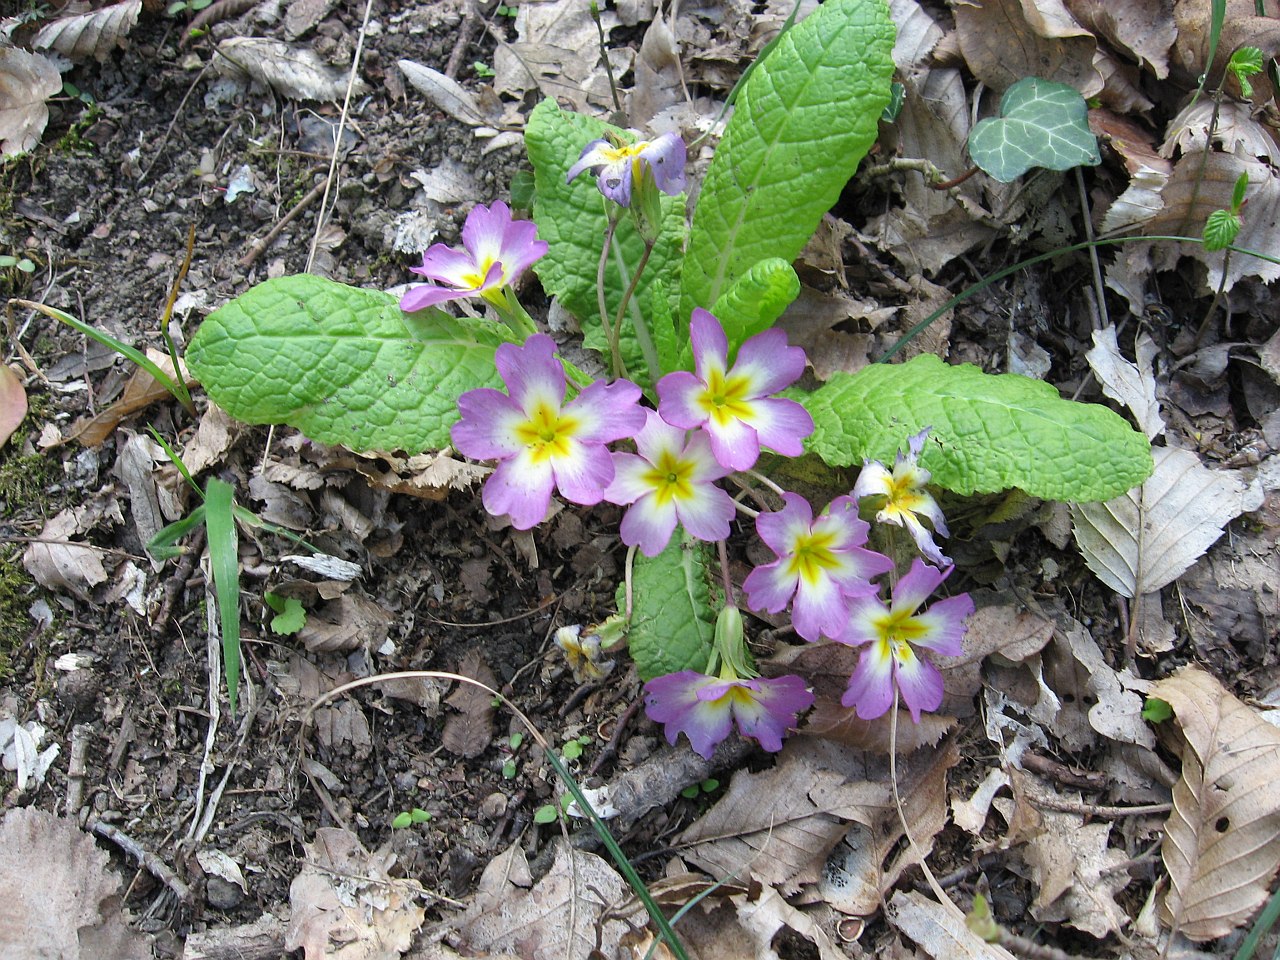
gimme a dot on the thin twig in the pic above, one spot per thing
(466, 33)
(149, 861)
(1097, 810)
(260, 247)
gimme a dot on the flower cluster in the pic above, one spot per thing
(710, 422)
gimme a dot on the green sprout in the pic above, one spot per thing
(1245, 62)
(408, 818)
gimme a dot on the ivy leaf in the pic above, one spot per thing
(1041, 124)
(672, 622)
(989, 432)
(803, 121)
(571, 217)
(341, 364)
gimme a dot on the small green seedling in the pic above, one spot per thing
(22, 264)
(1223, 226)
(290, 617)
(186, 6)
(1156, 710)
(505, 10)
(706, 786)
(409, 818)
(482, 69)
(510, 767)
(572, 749)
(546, 813)
(1244, 63)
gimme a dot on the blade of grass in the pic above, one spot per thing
(1266, 920)
(163, 545)
(224, 558)
(141, 359)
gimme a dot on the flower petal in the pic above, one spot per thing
(780, 529)
(520, 487)
(607, 411)
(766, 709)
(592, 156)
(734, 442)
(630, 481)
(666, 158)
(659, 438)
(874, 480)
(820, 608)
(584, 472)
(781, 425)
(531, 372)
(769, 587)
(672, 700)
(920, 683)
(428, 295)
(944, 625)
(866, 624)
(769, 363)
(707, 513)
(486, 430)
(447, 265)
(648, 524)
(677, 400)
(709, 343)
(917, 586)
(870, 689)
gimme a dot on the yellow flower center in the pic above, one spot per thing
(897, 631)
(812, 555)
(547, 432)
(670, 478)
(724, 399)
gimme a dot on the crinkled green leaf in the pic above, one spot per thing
(341, 364)
(290, 616)
(572, 218)
(672, 622)
(756, 299)
(1041, 124)
(803, 121)
(989, 432)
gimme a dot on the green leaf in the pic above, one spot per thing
(1041, 124)
(546, 813)
(1221, 228)
(290, 617)
(402, 820)
(341, 364)
(571, 750)
(418, 815)
(163, 546)
(672, 620)
(1156, 710)
(756, 299)
(804, 120)
(224, 558)
(572, 219)
(989, 432)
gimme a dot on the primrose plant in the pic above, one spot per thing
(700, 401)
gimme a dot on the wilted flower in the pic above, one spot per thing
(671, 478)
(735, 406)
(892, 635)
(705, 708)
(901, 498)
(496, 250)
(541, 442)
(821, 563)
(583, 653)
(618, 166)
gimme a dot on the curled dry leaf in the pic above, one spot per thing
(1006, 40)
(27, 80)
(939, 931)
(446, 93)
(468, 732)
(1132, 384)
(94, 34)
(1147, 538)
(1222, 839)
(291, 70)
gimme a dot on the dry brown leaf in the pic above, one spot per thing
(93, 34)
(60, 564)
(468, 732)
(13, 402)
(447, 94)
(347, 906)
(1133, 384)
(561, 916)
(27, 80)
(658, 79)
(347, 623)
(857, 876)
(142, 390)
(939, 931)
(60, 899)
(294, 71)
(1143, 30)
(1006, 40)
(1071, 867)
(1241, 27)
(1222, 840)
(764, 916)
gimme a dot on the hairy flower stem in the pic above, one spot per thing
(612, 333)
(725, 579)
(638, 322)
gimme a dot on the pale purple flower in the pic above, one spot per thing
(901, 497)
(892, 634)
(705, 708)
(669, 480)
(735, 406)
(821, 565)
(617, 167)
(540, 442)
(496, 250)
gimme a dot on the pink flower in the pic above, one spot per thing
(496, 250)
(735, 406)
(540, 442)
(705, 708)
(892, 635)
(901, 497)
(668, 481)
(821, 564)
(618, 167)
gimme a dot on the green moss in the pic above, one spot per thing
(24, 484)
(15, 603)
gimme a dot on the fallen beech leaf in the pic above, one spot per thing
(27, 80)
(347, 906)
(1070, 863)
(1134, 385)
(61, 900)
(447, 94)
(939, 931)
(1144, 30)
(93, 34)
(1222, 839)
(345, 624)
(13, 402)
(59, 564)
(1147, 538)
(294, 71)
(468, 732)
(142, 390)
(1004, 41)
